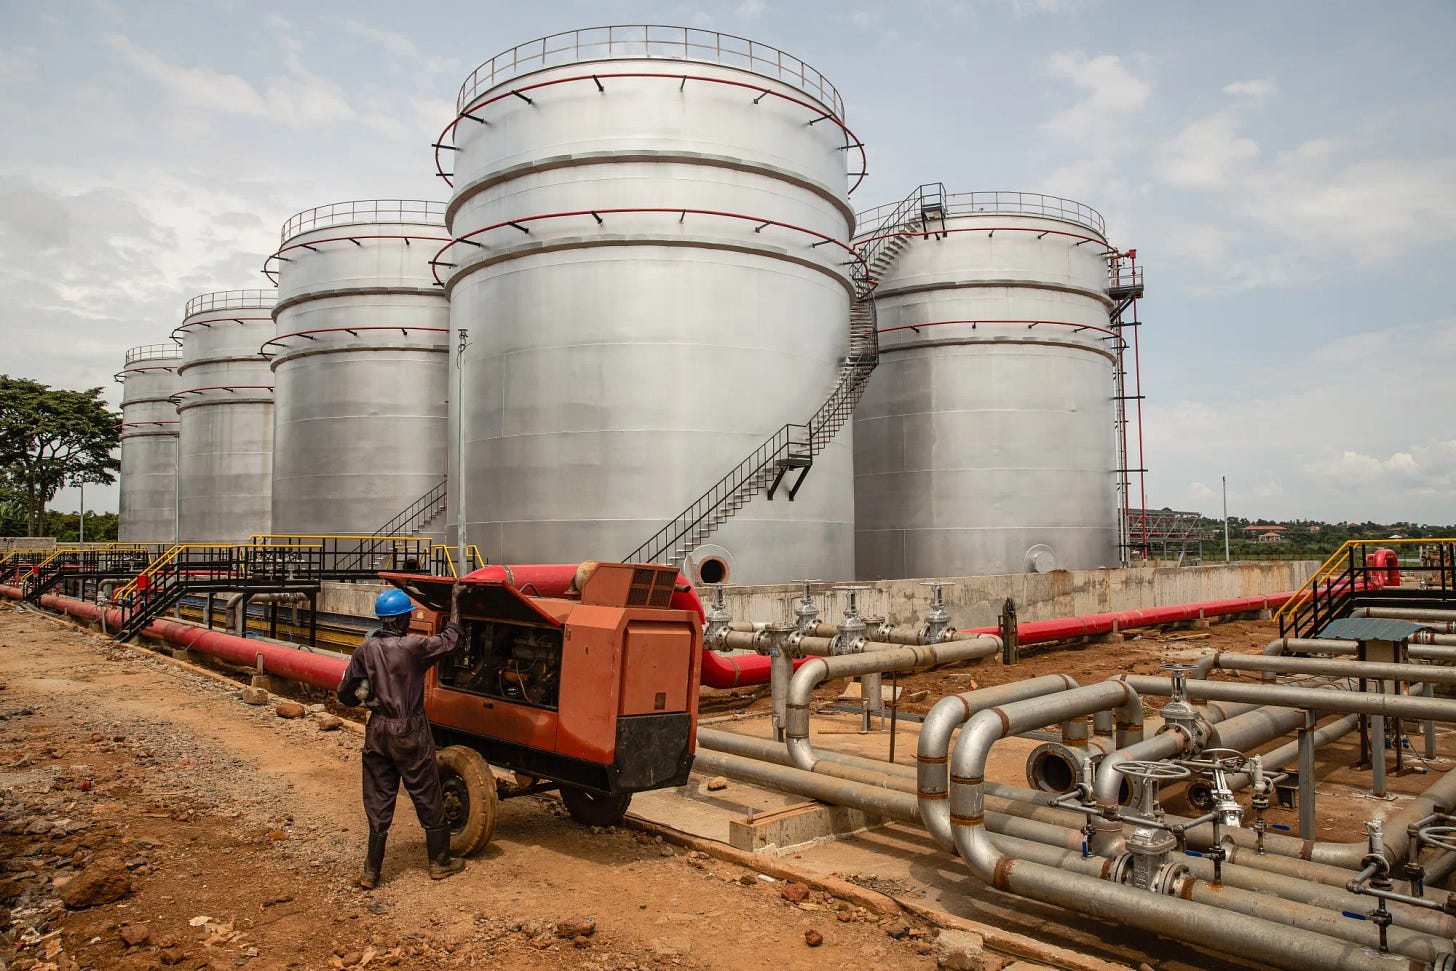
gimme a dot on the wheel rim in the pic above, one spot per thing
(457, 802)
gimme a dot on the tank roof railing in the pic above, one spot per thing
(1002, 201)
(153, 352)
(230, 300)
(650, 41)
(363, 211)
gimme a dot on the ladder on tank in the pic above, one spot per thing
(792, 449)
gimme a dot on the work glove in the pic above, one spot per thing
(361, 693)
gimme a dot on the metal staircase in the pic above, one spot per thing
(266, 564)
(1352, 577)
(792, 449)
(412, 520)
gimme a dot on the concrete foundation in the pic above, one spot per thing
(976, 601)
(791, 826)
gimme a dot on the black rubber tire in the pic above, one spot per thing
(593, 808)
(471, 806)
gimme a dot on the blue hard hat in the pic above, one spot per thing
(393, 603)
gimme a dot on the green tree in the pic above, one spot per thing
(51, 437)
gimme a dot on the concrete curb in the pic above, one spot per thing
(995, 938)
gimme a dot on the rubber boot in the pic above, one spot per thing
(373, 861)
(442, 864)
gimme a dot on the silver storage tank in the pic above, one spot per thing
(985, 443)
(148, 481)
(359, 366)
(225, 408)
(653, 278)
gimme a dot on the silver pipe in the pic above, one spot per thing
(1407, 613)
(933, 749)
(875, 658)
(1278, 758)
(1014, 812)
(1194, 922)
(1332, 667)
(1444, 648)
(1315, 699)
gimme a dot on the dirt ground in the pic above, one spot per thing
(229, 838)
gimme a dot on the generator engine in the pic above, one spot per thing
(507, 661)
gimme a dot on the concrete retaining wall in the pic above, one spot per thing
(976, 601)
(8, 543)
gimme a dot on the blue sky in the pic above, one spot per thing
(1287, 172)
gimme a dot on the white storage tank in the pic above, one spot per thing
(986, 441)
(359, 360)
(225, 410)
(652, 271)
(147, 510)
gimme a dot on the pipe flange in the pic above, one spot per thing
(1121, 868)
(1053, 767)
(1168, 878)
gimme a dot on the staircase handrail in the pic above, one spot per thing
(896, 217)
(416, 512)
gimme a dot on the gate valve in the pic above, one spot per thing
(851, 636)
(1262, 786)
(718, 621)
(1151, 844)
(1179, 714)
(806, 613)
(1222, 761)
(937, 622)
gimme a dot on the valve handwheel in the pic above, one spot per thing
(1441, 837)
(1228, 759)
(1157, 771)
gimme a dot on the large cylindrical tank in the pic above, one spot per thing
(652, 273)
(225, 410)
(148, 480)
(359, 363)
(985, 442)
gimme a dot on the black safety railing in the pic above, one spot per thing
(417, 513)
(794, 446)
(265, 564)
(1366, 572)
(82, 565)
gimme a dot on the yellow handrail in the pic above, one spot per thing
(1331, 566)
(256, 537)
(169, 557)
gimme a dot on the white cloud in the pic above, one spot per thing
(394, 44)
(1205, 153)
(298, 98)
(17, 64)
(1258, 89)
(748, 9)
(1372, 211)
(1113, 94)
(1313, 448)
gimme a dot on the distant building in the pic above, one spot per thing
(1263, 528)
(1271, 537)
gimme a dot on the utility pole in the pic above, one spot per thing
(1225, 519)
(460, 531)
(82, 486)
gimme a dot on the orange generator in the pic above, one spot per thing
(595, 695)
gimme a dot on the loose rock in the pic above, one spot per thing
(103, 882)
(576, 927)
(717, 783)
(794, 893)
(135, 935)
(330, 723)
(813, 938)
(254, 696)
(960, 951)
(288, 709)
